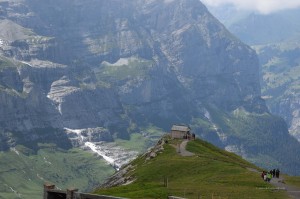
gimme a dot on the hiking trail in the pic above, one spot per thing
(182, 149)
(278, 183)
(293, 192)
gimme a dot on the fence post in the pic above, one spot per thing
(167, 182)
(48, 186)
(71, 193)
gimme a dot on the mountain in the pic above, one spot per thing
(275, 37)
(209, 172)
(113, 76)
(259, 29)
(280, 80)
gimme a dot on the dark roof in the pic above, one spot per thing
(180, 128)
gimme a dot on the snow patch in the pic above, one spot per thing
(40, 177)
(222, 136)
(15, 150)
(121, 61)
(46, 161)
(207, 115)
(77, 131)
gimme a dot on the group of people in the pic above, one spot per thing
(267, 176)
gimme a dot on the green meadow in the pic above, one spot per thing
(210, 173)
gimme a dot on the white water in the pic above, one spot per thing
(113, 154)
(97, 149)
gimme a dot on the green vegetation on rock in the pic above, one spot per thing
(23, 171)
(124, 69)
(6, 63)
(141, 141)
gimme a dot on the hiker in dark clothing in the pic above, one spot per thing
(271, 172)
(274, 172)
(277, 173)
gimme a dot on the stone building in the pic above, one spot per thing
(181, 132)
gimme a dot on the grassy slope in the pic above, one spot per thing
(210, 172)
(140, 142)
(27, 171)
(264, 138)
(293, 180)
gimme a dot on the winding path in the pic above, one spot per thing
(278, 183)
(182, 149)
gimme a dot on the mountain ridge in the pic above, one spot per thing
(117, 72)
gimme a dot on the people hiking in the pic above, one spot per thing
(274, 172)
(263, 175)
(271, 172)
(277, 172)
(269, 177)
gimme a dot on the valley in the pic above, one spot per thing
(85, 87)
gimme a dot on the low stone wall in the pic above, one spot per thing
(174, 197)
(50, 192)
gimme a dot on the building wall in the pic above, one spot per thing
(178, 134)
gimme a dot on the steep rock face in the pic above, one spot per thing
(280, 80)
(204, 56)
(23, 105)
(275, 37)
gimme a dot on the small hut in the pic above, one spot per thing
(181, 132)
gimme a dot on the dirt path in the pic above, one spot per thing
(294, 192)
(182, 149)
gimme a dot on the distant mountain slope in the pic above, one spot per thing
(265, 29)
(280, 80)
(259, 29)
(210, 172)
(275, 37)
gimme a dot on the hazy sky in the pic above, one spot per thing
(263, 6)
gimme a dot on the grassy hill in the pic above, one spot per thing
(211, 172)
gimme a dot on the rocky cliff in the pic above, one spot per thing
(115, 66)
(275, 37)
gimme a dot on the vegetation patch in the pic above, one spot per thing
(211, 172)
(125, 68)
(6, 63)
(25, 171)
(142, 140)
